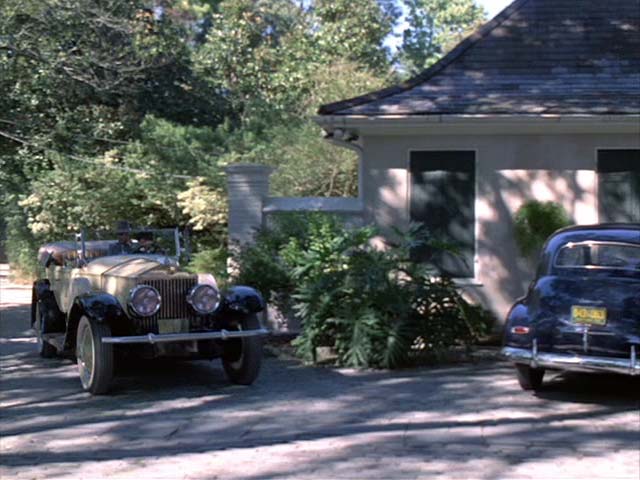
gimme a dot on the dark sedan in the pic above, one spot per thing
(582, 312)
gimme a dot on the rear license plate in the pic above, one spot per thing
(589, 315)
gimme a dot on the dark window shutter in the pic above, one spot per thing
(619, 185)
(443, 200)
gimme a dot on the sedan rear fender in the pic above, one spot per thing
(100, 306)
(519, 328)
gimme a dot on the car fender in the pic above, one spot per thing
(207, 279)
(243, 299)
(54, 317)
(77, 287)
(41, 288)
(518, 316)
(99, 306)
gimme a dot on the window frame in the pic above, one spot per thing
(589, 243)
(473, 278)
(598, 172)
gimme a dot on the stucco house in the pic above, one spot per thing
(543, 102)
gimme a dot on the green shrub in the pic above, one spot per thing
(211, 260)
(20, 245)
(375, 308)
(535, 221)
(266, 264)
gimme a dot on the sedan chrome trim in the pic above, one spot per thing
(184, 337)
(590, 243)
(577, 363)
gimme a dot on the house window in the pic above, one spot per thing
(443, 200)
(619, 185)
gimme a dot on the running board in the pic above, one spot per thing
(55, 339)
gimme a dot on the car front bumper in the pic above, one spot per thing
(578, 363)
(186, 337)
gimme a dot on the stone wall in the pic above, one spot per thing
(250, 204)
(251, 207)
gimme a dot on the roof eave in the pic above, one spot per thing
(481, 124)
(428, 73)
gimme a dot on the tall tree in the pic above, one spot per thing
(78, 78)
(434, 27)
(78, 57)
(265, 53)
(118, 108)
(255, 52)
(355, 31)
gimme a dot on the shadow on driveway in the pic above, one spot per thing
(328, 422)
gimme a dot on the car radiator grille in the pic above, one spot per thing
(173, 305)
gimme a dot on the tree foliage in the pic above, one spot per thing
(110, 62)
(535, 221)
(265, 55)
(306, 164)
(434, 27)
(102, 114)
(131, 109)
(355, 32)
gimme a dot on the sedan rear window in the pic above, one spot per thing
(599, 255)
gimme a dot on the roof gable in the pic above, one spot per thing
(578, 57)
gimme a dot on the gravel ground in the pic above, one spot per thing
(184, 421)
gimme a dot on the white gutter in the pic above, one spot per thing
(346, 144)
(394, 124)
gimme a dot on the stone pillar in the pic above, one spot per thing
(248, 186)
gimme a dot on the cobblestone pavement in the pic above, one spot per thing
(184, 421)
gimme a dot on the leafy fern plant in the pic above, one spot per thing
(376, 308)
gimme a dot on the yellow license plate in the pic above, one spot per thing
(589, 315)
(173, 325)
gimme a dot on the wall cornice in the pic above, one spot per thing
(481, 124)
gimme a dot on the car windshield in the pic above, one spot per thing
(601, 255)
(167, 242)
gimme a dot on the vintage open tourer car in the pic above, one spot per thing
(582, 312)
(98, 300)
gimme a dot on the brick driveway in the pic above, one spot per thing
(183, 421)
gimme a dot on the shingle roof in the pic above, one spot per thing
(574, 57)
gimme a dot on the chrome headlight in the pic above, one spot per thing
(144, 300)
(204, 298)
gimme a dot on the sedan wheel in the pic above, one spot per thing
(243, 356)
(95, 359)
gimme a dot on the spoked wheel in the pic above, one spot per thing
(95, 359)
(243, 356)
(529, 378)
(45, 350)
